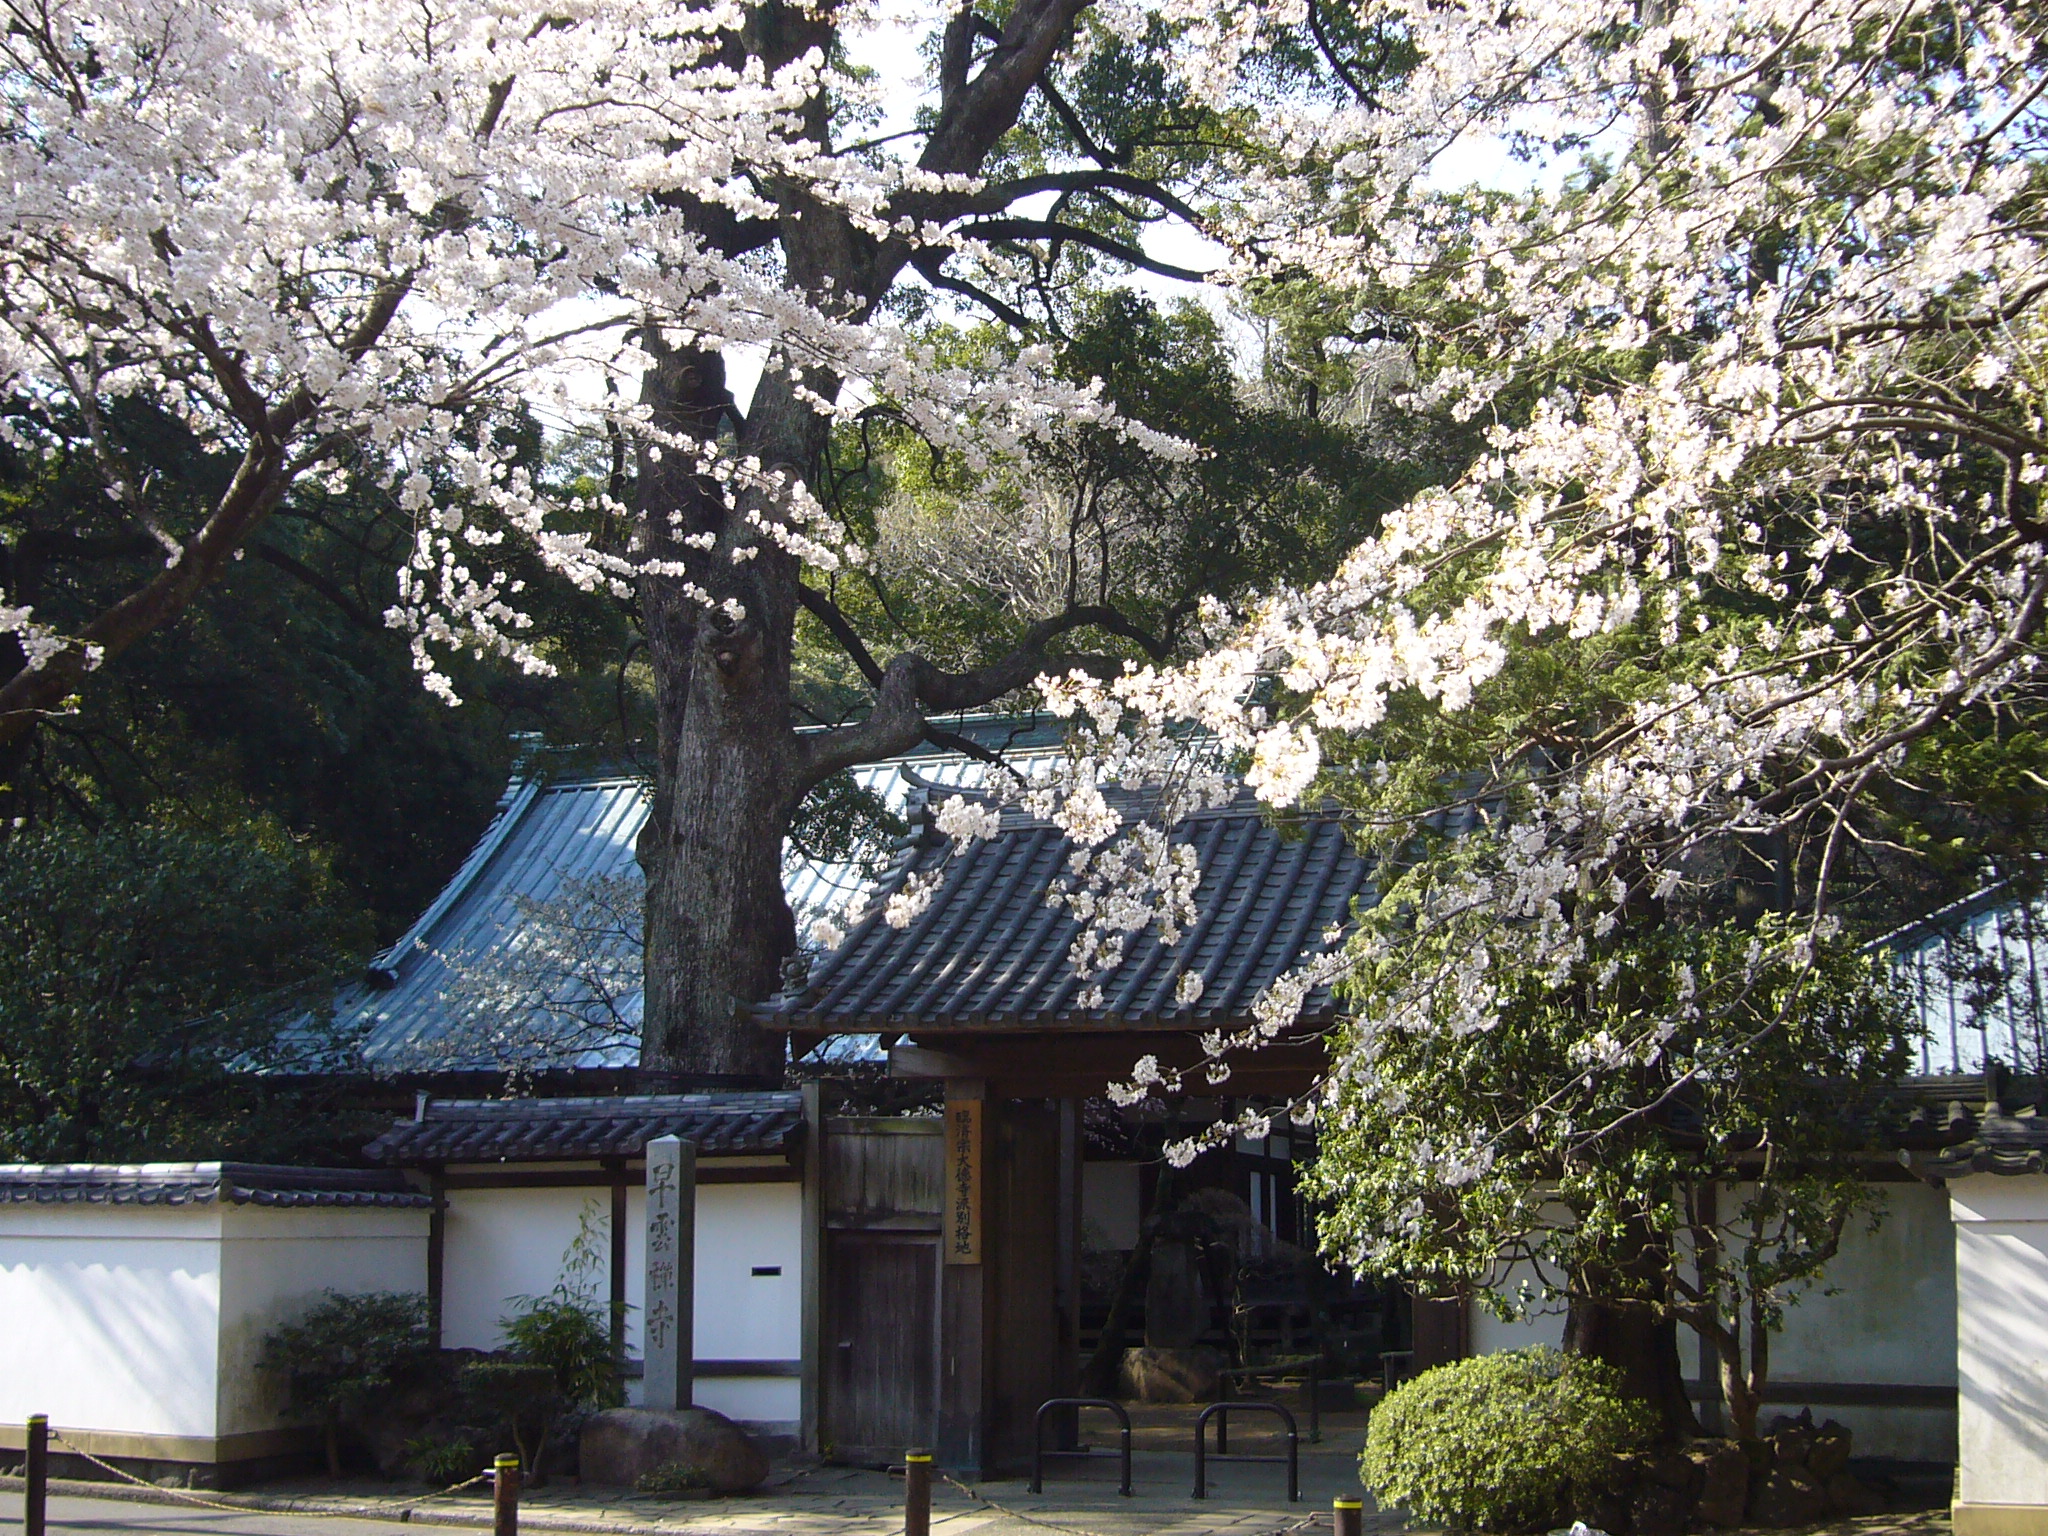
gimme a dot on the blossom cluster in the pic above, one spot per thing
(1766, 376)
(339, 240)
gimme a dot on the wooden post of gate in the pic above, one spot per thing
(917, 1493)
(505, 1497)
(35, 1475)
(1348, 1515)
(964, 1137)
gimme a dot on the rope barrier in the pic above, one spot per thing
(292, 1506)
(979, 1497)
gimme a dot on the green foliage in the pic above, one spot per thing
(569, 1330)
(1789, 1103)
(1496, 1442)
(570, 1337)
(965, 558)
(144, 971)
(281, 688)
(441, 1461)
(523, 1398)
(671, 1477)
(342, 1357)
(1701, 1072)
(561, 1349)
(840, 822)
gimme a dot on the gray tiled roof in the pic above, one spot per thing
(546, 840)
(203, 1184)
(988, 951)
(1992, 1121)
(545, 837)
(531, 1130)
(2009, 1144)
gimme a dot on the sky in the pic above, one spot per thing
(889, 45)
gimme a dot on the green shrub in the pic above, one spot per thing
(524, 1399)
(672, 1477)
(570, 1337)
(1495, 1443)
(339, 1360)
(569, 1329)
(443, 1461)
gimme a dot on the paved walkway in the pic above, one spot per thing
(1080, 1499)
(116, 1517)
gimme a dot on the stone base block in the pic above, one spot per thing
(1999, 1519)
(1173, 1375)
(622, 1445)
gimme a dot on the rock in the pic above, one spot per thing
(1792, 1439)
(1173, 1375)
(1177, 1301)
(1667, 1469)
(1723, 1481)
(1655, 1509)
(1604, 1508)
(1849, 1496)
(1830, 1452)
(622, 1445)
(1661, 1498)
(1789, 1496)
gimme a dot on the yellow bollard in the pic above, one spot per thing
(917, 1493)
(505, 1497)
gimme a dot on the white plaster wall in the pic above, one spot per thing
(1538, 1322)
(754, 1399)
(503, 1243)
(110, 1316)
(740, 1315)
(2001, 1247)
(636, 1264)
(1892, 1321)
(740, 1227)
(1110, 1204)
(1894, 1317)
(771, 1403)
(276, 1264)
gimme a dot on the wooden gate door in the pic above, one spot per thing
(881, 1344)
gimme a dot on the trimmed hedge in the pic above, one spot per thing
(1495, 1443)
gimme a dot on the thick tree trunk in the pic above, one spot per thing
(1644, 1349)
(1614, 1318)
(730, 772)
(718, 926)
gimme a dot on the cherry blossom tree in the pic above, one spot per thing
(1758, 357)
(338, 241)
(1752, 569)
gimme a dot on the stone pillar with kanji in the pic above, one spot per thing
(668, 1323)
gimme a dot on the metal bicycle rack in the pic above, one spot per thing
(1221, 1413)
(1278, 1374)
(1039, 1452)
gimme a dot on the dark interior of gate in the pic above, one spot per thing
(1020, 1239)
(946, 1327)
